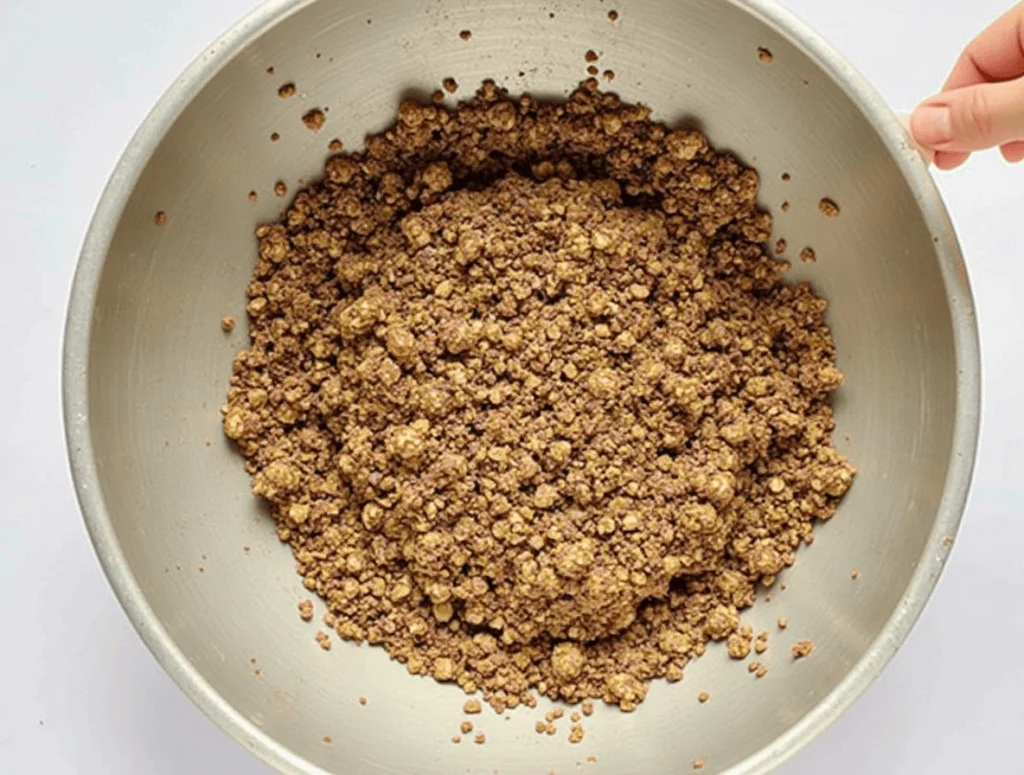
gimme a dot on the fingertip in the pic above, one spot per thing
(950, 160)
(1013, 152)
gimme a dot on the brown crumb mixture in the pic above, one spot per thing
(828, 208)
(529, 399)
(802, 648)
(227, 324)
(314, 119)
(306, 610)
(576, 733)
(286, 90)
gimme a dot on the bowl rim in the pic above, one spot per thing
(75, 386)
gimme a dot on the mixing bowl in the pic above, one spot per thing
(192, 555)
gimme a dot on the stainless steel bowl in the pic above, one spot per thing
(146, 365)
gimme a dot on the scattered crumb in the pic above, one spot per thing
(246, 549)
(703, 697)
(324, 640)
(257, 672)
(306, 610)
(160, 218)
(208, 443)
(828, 208)
(947, 541)
(270, 70)
(335, 145)
(466, 34)
(227, 324)
(802, 648)
(280, 188)
(314, 119)
(328, 739)
(456, 739)
(362, 700)
(855, 574)
(808, 256)
(551, 729)
(576, 733)
(591, 56)
(761, 644)
(592, 69)
(480, 738)
(202, 569)
(613, 16)
(450, 85)
(592, 759)
(780, 247)
(466, 727)
(786, 177)
(287, 90)
(698, 764)
(329, 620)
(758, 669)
(541, 727)
(274, 137)
(471, 706)
(785, 207)
(765, 55)
(587, 706)
(437, 96)
(609, 75)
(783, 585)
(252, 660)
(575, 718)
(782, 623)
(253, 196)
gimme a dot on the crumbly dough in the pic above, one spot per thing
(529, 399)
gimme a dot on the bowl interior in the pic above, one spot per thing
(202, 549)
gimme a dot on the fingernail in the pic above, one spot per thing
(932, 125)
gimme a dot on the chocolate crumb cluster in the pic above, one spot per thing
(529, 399)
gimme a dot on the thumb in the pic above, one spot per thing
(972, 118)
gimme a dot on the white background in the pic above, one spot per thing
(78, 691)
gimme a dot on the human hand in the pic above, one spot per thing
(982, 103)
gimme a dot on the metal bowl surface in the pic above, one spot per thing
(146, 368)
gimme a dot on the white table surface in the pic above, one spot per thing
(79, 692)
